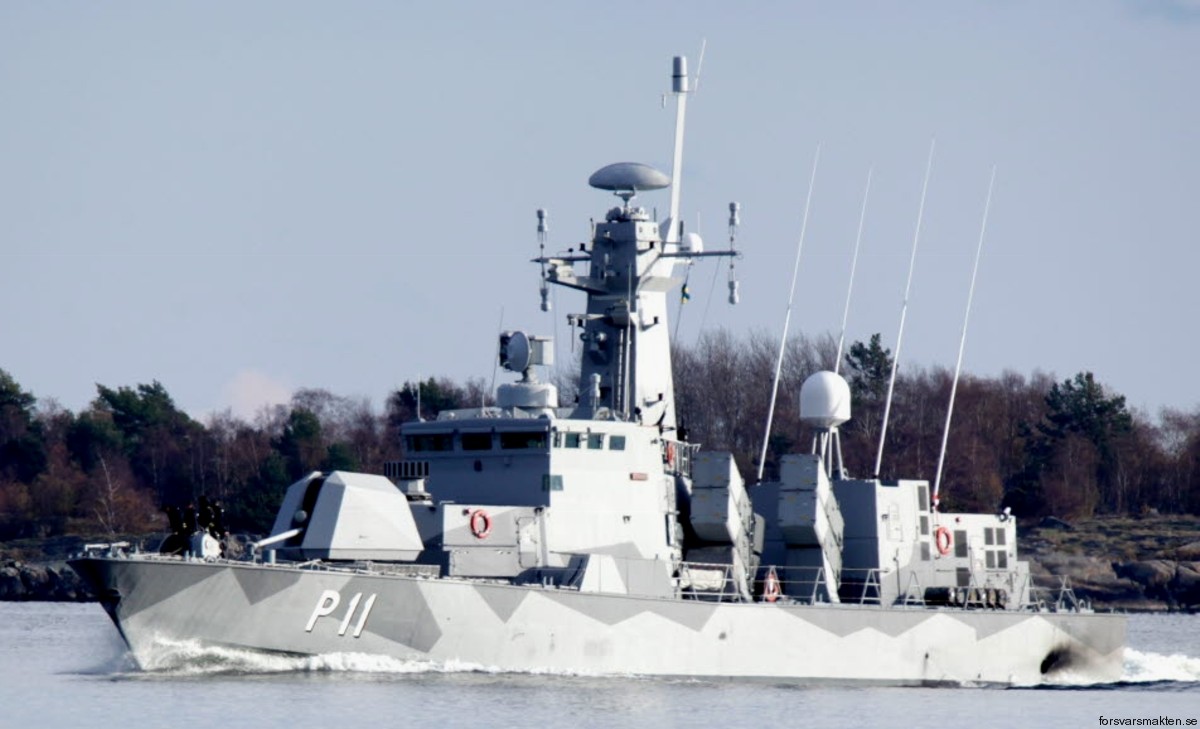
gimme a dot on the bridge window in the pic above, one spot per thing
(523, 441)
(477, 441)
(573, 440)
(616, 443)
(595, 441)
(430, 442)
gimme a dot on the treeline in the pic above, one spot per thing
(1071, 448)
(112, 467)
(1042, 446)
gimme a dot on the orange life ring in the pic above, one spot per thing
(670, 454)
(943, 539)
(481, 524)
(771, 591)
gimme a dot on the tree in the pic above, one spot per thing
(156, 437)
(252, 508)
(869, 367)
(300, 444)
(436, 395)
(22, 442)
(1071, 464)
(58, 493)
(1081, 406)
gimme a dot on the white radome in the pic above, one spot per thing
(825, 400)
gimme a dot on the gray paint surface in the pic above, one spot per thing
(523, 628)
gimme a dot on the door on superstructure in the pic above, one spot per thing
(528, 543)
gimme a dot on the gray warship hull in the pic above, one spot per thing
(597, 538)
(298, 610)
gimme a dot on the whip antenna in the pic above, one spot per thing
(937, 482)
(837, 361)
(887, 405)
(496, 359)
(787, 318)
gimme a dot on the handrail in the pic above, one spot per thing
(691, 583)
(1063, 596)
(914, 582)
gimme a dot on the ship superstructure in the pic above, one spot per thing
(594, 537)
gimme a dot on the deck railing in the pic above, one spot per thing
(716, 582)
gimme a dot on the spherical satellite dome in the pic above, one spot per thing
(628, 176)
(691, 243)
(825, 400)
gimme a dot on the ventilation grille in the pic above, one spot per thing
(406, 470)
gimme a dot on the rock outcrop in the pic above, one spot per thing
(1176, 584)
(53, 581)
(1145, 563)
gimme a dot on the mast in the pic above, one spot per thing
(679, 87)
(626, 359)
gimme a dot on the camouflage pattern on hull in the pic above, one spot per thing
(530, 628)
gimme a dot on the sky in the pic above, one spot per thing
(242, 199)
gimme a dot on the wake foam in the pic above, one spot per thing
(1141, 669)
(193, 658)
(1155, 667)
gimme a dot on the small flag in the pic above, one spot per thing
(684, 294)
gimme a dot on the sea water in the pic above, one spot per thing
(63, 665)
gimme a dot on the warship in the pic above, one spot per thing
(594, 538)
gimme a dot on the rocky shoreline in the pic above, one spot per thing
(37, 570)
(1148, 564)
(50, 582)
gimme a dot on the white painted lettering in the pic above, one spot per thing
(349, 613)
(326, 605)
(362, 619)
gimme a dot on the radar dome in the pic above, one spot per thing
(628, 176)
(824, 400)
(691, 243)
